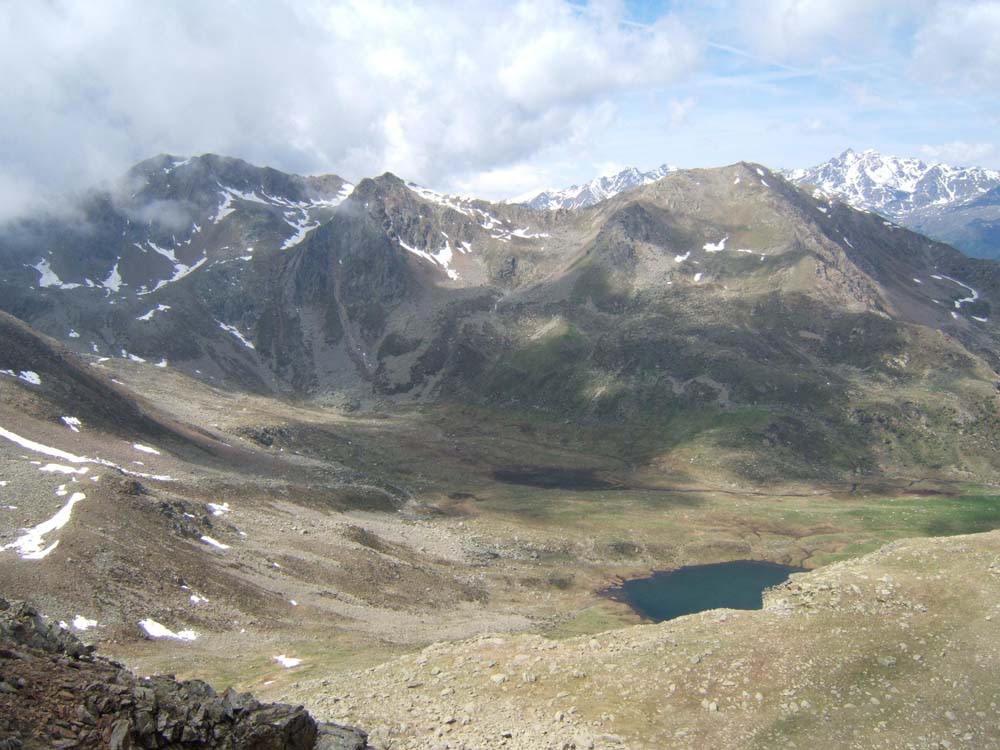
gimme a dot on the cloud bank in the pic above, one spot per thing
(430, 90)
(489, 97)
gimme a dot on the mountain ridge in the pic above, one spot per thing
(895, 187)
(594, 191)
(937, 199)
(396, 294)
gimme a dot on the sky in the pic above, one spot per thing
(488, 98)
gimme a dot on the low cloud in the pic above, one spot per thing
(959, 153)
(434, 91)
(679, 110)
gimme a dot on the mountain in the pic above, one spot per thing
(598, 189)
(405, 418)
(726, 290)
(117, 263)
(929, 198)
(973, 226)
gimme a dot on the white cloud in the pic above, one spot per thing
(679, 110)
(505, 181)
(813, 125)
(806, 30)
(959, 46)
(434, 91)
(959, 152)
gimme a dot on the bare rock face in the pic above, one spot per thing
(55, 693)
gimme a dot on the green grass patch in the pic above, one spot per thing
(595, 619)
(945, 516)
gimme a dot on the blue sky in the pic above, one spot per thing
(488, 98)
(859, 77)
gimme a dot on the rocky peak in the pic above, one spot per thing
(596, 190)
(54, 692)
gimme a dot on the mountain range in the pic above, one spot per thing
(295, 433)
(957, 205)
(726, 291)
(598, 189)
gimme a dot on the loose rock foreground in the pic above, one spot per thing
(898, 649)
(55, 693)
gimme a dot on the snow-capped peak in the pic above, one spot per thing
(598, 189)
(894, 186)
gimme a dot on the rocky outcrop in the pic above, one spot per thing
(54, 692)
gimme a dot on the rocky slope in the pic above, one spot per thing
(54, 692)
(894, 649)
(106, 270)
(934, 199)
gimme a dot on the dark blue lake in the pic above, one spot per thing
(695, 588)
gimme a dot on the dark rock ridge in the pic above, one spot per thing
(54, 692)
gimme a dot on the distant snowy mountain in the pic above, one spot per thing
(595, 191)
(930, 198)
(895, 187)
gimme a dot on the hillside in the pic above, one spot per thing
(895, 649)
(426, 418)
(791, 328)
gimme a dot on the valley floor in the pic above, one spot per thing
(316, 555)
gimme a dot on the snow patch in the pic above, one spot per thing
(214, 542)
(713, 247)
(82, 623)
(527, 235)
(236, 332)
(156, 630)
(151, 313)
(218, 509)
(31, 445)
(973, 294)
(441, 258)
(180, 271)
(30, 376)
(63, 469)
(302, 228)
(31, 545)
(48, 277)
(682, 258)
(113, 282)
(287, 661)
(72, 422)
(145, 449)
(225, 208)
